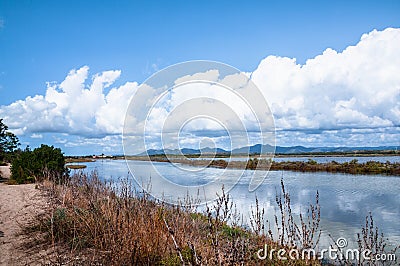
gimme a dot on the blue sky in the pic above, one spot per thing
(42, 41)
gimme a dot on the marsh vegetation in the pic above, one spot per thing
(352, 167)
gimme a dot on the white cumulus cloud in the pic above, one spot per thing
(73, 107)
(338, 96)
(356, 88)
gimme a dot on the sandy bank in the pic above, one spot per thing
(19, 204)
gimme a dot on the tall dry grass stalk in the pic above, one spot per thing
(370, 238)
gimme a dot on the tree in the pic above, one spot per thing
(43, 162)
(8, 141)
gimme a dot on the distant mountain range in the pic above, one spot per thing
(261, 149)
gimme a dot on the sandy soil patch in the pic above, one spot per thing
(19, 204)
(5, 171)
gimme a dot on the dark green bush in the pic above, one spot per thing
(43, 162)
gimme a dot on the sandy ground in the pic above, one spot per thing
(18, 205)
(5, 171)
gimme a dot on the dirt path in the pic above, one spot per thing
(18, 205)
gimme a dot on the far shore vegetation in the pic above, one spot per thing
(78, 160)
(259, 162)
(351, 167)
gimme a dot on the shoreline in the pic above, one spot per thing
(352, 167)
(89, 158)
(262, 163)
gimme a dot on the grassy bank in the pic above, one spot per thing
(100, 224)
(92, 222)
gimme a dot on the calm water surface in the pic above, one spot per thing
(345, 199)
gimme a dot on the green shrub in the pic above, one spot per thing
(43, 162)
(8, 143)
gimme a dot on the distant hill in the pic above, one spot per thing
(260, 149)
(185, 151)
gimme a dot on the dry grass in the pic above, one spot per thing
(370, 238)
(92, 222)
